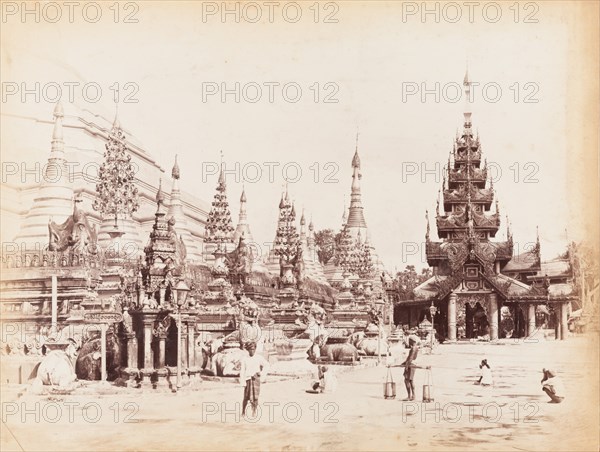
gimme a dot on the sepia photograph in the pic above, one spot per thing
(300, 225)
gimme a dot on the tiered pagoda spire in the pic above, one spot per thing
(356, 219)
(243, 228)
(345, 256)
(467, 199)
(165, 253)
(286, 237)
(54, 199)
(466, 214)
(117, 195)
(219, 226)
(176, 213)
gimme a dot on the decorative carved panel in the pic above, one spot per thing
(472, 299)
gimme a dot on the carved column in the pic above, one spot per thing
(148, 358)
(530, 319)
(184, 346)
(132, 362)
(564, 327)
(452, 316)
(493, 303)
(191, 340)
(162, 338)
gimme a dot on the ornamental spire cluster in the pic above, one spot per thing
(116, 193)
(286, 237)
(219, 226)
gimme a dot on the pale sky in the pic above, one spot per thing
(368, 58)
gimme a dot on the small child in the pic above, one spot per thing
(486, 374)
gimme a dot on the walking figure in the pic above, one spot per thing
(410, 366)
(253, 370)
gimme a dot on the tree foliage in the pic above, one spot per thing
(326, 241)
(408, 279)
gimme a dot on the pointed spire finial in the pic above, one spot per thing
(356, 158)
(58, 110)
(221, 172)
(116, 122)
(160, 197)
(467, 112)
(57, 133)
(243, 197)
(175, 173)
(427, 219)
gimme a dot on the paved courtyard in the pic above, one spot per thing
(511, 415)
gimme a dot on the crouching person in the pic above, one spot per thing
(327, 381)
(552, 385)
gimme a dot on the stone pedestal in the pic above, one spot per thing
(452, 317)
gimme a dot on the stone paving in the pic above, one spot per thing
(511, 415)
